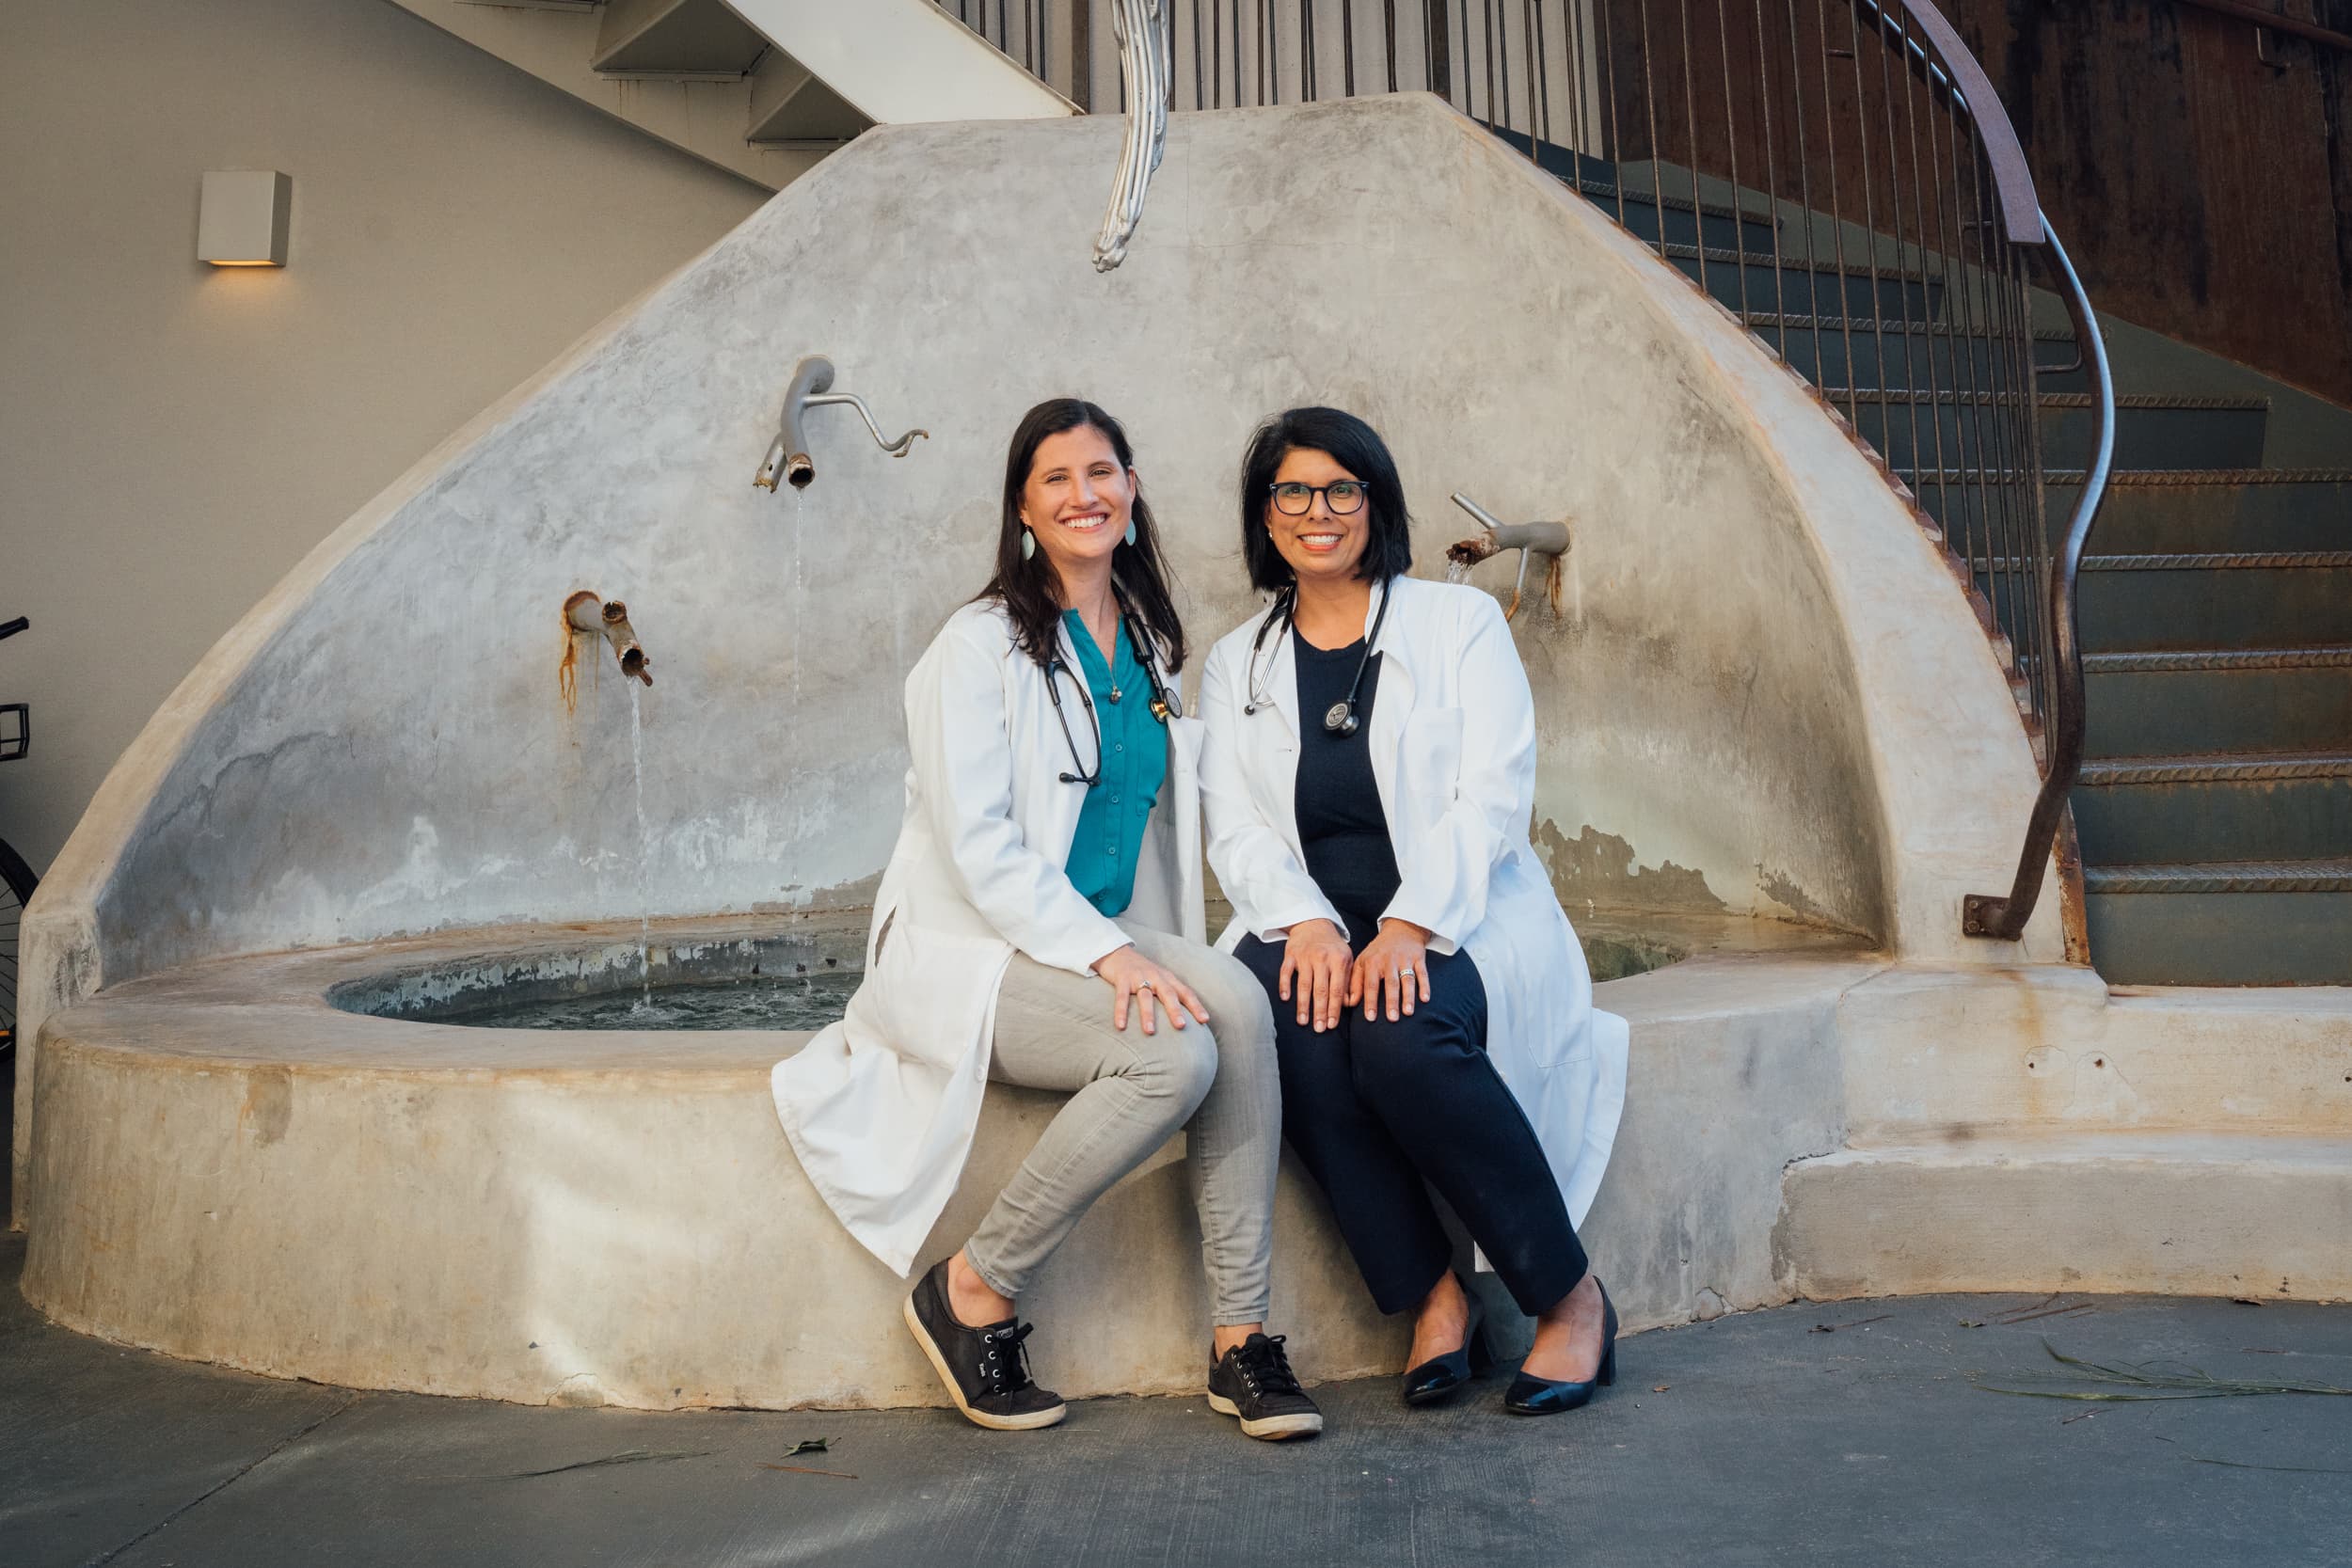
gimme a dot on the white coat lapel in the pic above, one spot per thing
(1271, 751)
(1393, 701)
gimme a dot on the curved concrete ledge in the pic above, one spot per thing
(261, 1180)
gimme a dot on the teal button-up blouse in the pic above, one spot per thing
(1109, 839)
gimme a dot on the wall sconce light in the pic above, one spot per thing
(241, 219)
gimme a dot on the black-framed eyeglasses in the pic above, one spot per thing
(1342, 497)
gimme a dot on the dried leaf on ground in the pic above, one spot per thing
(631, 1456)
(2138, 1382)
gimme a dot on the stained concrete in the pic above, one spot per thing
(1764, 674)
(611, 1217)
(1767, 1443)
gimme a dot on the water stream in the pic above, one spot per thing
(645, 846)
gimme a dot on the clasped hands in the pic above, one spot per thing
(1323, 976)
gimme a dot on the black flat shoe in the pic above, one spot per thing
(1544, 1395)
(1439, 1377)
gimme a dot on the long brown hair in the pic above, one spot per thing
(1026, 587)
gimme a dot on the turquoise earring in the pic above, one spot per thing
(1131, 530)
(1028, 544)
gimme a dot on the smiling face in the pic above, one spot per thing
(1077, 499)
(1321, 545)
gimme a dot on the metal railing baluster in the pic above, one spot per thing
(1691, 151)
(1731, 147)
(1893, 163)
(1772, 172)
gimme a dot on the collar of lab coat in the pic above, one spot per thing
(1392, 705)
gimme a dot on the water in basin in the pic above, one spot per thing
(756, 1002)
(769, 982)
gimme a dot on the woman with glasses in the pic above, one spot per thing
(1039, 922)
(1369, 774)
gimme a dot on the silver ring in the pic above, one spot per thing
(1146, 985)
(1406, 971)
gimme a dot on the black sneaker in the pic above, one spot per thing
(986, 1370)
(1254, 1381)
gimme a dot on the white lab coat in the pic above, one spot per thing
(1452, 739)
(881, 1106)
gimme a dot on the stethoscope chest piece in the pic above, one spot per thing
(1340, 717)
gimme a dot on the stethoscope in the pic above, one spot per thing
(1057, 666)
(1340, 717)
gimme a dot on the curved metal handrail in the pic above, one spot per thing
(2004, 918)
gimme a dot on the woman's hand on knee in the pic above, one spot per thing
(1314, 967)
(1394, 967)
(1134, 979)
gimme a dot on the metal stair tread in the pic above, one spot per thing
(2164, 400)
(2215, 768)
(2161, 400)
(2186, 561)
(2138, 478)
(1762, 257)
(2158, 478)
(2305, 876)
(1793, 322)
(2005, 1146)
(1589, 187)
(2140, 661)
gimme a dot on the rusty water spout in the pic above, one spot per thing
(1547, 539)
(585, 611)
(787, 456)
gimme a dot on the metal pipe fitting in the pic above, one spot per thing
(787, 456)
(1549, 540)
(588, 612)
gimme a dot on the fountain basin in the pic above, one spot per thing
(262, 1179)
(799, 978)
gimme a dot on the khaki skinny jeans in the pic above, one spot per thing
(1129, 1092)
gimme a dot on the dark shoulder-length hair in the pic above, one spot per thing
(1353, 446)
(1026, 588)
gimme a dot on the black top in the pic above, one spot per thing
(1340, 825)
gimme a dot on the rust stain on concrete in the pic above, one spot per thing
(268, 1107)
(1601, 868)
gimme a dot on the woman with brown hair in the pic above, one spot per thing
(1041, 924)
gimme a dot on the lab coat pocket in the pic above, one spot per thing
(1429, 765)
(927, 994)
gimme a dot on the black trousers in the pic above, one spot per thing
(1380, 1113)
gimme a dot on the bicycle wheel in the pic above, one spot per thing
(17, 882)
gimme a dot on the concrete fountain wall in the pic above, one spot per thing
(1764, 694)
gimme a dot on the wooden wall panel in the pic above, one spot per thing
(2203, 193)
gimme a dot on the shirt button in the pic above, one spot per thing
(1118, 746)
(1114, 800)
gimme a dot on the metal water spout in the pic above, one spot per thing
(1549, 540)
(787, 456)
(588, 612)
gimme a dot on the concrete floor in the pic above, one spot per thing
(1770, 1441)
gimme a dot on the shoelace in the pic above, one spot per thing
(1007, 1364)
(1265, 1367)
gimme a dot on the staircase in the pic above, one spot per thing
(762, 89)
(2215, 811)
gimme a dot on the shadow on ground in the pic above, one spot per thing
(1754, 1439)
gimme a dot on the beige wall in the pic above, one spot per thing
(174, 437)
